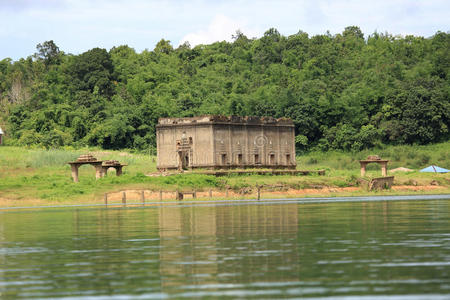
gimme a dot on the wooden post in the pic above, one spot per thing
(143, 197)
(259, 191)
(124, 198)
(194, 194)
(210, 193)
(160, 195)
(106, 198)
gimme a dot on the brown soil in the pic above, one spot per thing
(416, 188)
(133, 196)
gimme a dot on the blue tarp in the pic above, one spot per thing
(435, 169)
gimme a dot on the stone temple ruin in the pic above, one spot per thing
(101, 167)
(218, 142)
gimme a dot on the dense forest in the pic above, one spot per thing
(343, 91)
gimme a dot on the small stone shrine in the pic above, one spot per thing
(86, 158)
(374, 159)
(384, 182)
(83, 160)
(112, 164)
(101, 167)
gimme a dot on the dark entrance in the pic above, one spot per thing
(183, 160)
(224, 159)
(272, 159)
(184, 147)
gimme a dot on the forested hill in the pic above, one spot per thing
(343, 91)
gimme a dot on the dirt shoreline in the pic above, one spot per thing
(134, 196)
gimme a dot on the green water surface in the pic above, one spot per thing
(342, 250)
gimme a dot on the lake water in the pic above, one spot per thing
(323, 248)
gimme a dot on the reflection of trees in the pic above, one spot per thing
(115, 249)
(179, 249)
(204, 243)
(2, 256)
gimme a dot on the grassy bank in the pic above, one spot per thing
(38, 176)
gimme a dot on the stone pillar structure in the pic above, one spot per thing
(74, 168)
(383, 168)
(98, 171)
(118, 170)
(117, 166)
(75, 165)
(363, 168)
(382, 162)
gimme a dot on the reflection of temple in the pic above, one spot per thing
(199, 243)
(180, 230)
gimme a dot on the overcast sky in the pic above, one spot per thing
(79, 25)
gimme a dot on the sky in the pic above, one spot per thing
(79, 25)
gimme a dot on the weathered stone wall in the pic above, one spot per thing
(227, 142)
(236, 145)
(202, 146)
(380, 183)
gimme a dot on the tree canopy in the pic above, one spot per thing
(342, 91)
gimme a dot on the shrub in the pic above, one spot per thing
(424, 159)
(311, 161)
(411, 154)
(55, 139)
(396, 156)
(29, 137)
(301, 142)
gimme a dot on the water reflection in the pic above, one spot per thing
(210, 245)
(365, 249)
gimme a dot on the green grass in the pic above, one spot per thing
(45, 174)
(413, 157)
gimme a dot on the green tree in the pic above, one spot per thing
(48, 52)
(342, 91)
(91, 69)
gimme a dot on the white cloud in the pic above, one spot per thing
(79, 25)
(221, 28)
